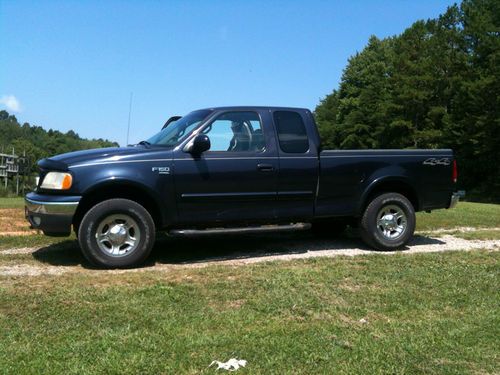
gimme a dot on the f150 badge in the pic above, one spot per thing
(435, 161)
(161, 170)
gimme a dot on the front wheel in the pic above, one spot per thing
(388, 222)
(116, 233)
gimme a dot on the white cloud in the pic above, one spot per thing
(11, 103)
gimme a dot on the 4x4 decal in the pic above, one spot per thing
(435, 161)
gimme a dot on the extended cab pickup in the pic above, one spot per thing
(229, 168)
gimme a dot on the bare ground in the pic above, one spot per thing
(13, 222)
(233, 250)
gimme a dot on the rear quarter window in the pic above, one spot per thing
(292, 135)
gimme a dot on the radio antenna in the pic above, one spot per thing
(129, 113)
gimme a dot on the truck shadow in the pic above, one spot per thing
(214, 248)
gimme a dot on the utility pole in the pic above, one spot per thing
(129, 113)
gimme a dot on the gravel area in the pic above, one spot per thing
(29, 270)
(459, 229)
(250, 249)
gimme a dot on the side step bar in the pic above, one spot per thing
(242, 230)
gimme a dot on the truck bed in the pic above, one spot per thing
(347, 177)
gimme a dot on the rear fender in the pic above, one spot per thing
(392, 183)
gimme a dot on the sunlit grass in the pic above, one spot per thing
(432, 313)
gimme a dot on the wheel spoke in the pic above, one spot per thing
(103, 239)
(116, 250)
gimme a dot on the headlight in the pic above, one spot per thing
(57, 181)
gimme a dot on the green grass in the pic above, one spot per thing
(425, 313)
(428, 313)
(17, 202)
(466, 214)
(478, 235)
(35, 240)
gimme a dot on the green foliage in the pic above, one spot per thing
(39, 143)
(437, 85)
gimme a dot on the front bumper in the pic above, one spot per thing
(53, 214)
(455, 197)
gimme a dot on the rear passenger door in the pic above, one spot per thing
(298, 164)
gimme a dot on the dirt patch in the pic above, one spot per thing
(22, 250)
(28, 232)
(12, 220)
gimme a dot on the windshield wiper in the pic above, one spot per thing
(144, 143)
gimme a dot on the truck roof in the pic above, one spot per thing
(242, 107)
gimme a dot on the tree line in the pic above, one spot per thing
(436, 85)
(38, 143)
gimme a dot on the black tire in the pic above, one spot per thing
(376, 234)
(118, 211)
(329, 227)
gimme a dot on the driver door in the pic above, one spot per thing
(236, 179)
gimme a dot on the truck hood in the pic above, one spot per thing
(64, 161)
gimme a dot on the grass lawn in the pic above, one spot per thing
(466, 214)
(17, 202)
(422, 313)
(427, 313)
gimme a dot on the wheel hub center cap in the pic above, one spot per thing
(117, 234)
(389, 222)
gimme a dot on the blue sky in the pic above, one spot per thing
(73, 64)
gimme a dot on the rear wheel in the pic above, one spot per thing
(116, 233)
(388, 222)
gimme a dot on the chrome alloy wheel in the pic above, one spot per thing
(391, 222)
(118, 235)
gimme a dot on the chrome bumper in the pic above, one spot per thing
(51, 208)
(51, 214)
(455, 197)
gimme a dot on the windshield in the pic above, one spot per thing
(177, 131)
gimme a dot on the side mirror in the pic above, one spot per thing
(198, 145)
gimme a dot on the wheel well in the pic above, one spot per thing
(393, 187)
(132, 193)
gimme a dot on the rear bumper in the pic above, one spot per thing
(455, 197)
(51, 213)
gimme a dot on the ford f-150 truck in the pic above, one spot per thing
(235, 168)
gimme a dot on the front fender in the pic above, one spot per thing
(136, 179)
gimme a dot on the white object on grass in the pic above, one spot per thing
(232, 365)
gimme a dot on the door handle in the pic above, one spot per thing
(265, 167)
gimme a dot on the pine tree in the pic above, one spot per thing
(436, 85)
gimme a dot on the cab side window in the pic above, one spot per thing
(236, 132)
(292, 135)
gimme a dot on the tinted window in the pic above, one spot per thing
(236, 131)
(291, 130)
(179, 130)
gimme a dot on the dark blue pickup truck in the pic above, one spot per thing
(235, 168)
